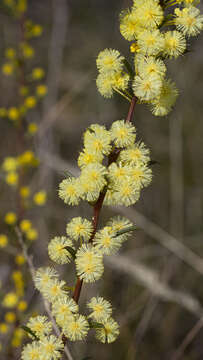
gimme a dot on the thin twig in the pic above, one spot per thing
(46, 304)
(98, 206)
(187, 340)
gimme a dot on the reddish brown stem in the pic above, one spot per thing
(97, 207)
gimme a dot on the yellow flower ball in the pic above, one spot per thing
(19, 259)
(3, 328)
(10, 300)
(25, 225)
(24, 192)
(32, 234)
(13, 113)
(10, 317)
(3, 240)
(22, 305)
(41, 90)
(7, 69)
(30, 102)
(10, 218)
(12, 178)
(32, 128)
(40, 198)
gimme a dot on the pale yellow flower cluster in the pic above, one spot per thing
(156, 36)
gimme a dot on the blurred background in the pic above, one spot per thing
(156, 282)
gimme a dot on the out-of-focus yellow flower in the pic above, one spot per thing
(40, 198)
(3, 112)
(30, 102)
(27, 50)
(10, 53)
(24, 192)
(25, 225)
(10, 164)
(3, 328)
(7, 69)
(32, 234)
(17, 337)
(37, 73)
(10, 317)
(10, 300)
(10, 218)
(13, 113)
(3, 240)
(22, 305)
(32, 128)
(21, 6)
(12, 178)
(41, 90)
(37, 30)
(19, 259)
(27, 158)
(24, 90)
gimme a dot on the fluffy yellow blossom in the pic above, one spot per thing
(106, 84)
(10, 300)
(100, 309)
(138, 153)
(94, 176)
(57, 250)
(147, 88)
(118, 223)
(122, 133)
(40, 198)
(189, 21)
(10, 218)
(64, 308)
(43, 276)
(79, 228)
(126, 192)
(70, 191)
(163, 104)
(76, 328)
(151, 65)
(97, 140)
(150, 14)
(110, 61)
(109, 332)
(40, 326)
(150, 42)
(130, 25)
(31, 351)
(87, 157)
(3, 240)
(174, 44)
(105, 241)
(50, 348)
(89, 263)
(24, 90)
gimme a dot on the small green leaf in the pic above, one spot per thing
(29, 331)
(126, 230)
(95, 325)
(71, 251)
